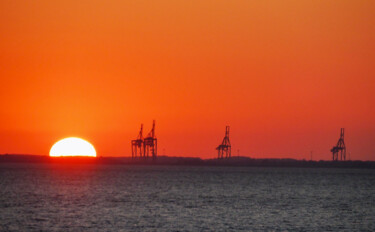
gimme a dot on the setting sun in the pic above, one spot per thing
(72, 147)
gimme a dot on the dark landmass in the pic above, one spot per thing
(188, 161)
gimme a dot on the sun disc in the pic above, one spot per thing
(72, 147)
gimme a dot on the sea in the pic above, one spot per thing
(98, 197)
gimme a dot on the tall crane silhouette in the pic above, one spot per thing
(339, 148)
(150, 144)
(224, 147)
(137, 144)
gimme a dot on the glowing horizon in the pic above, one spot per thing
(284, 75)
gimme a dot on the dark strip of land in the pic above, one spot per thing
(166, 160)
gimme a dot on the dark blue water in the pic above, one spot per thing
(57, 197)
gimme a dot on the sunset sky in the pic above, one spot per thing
(285, 75)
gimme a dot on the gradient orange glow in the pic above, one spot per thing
(285, 75)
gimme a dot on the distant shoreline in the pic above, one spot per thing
(188, 161)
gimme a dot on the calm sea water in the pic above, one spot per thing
(57, 197)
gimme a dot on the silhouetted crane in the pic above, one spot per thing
(150, 144)
(340, 147)
(137, 144)
(225, 146)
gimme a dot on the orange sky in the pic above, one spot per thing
(285, 75)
